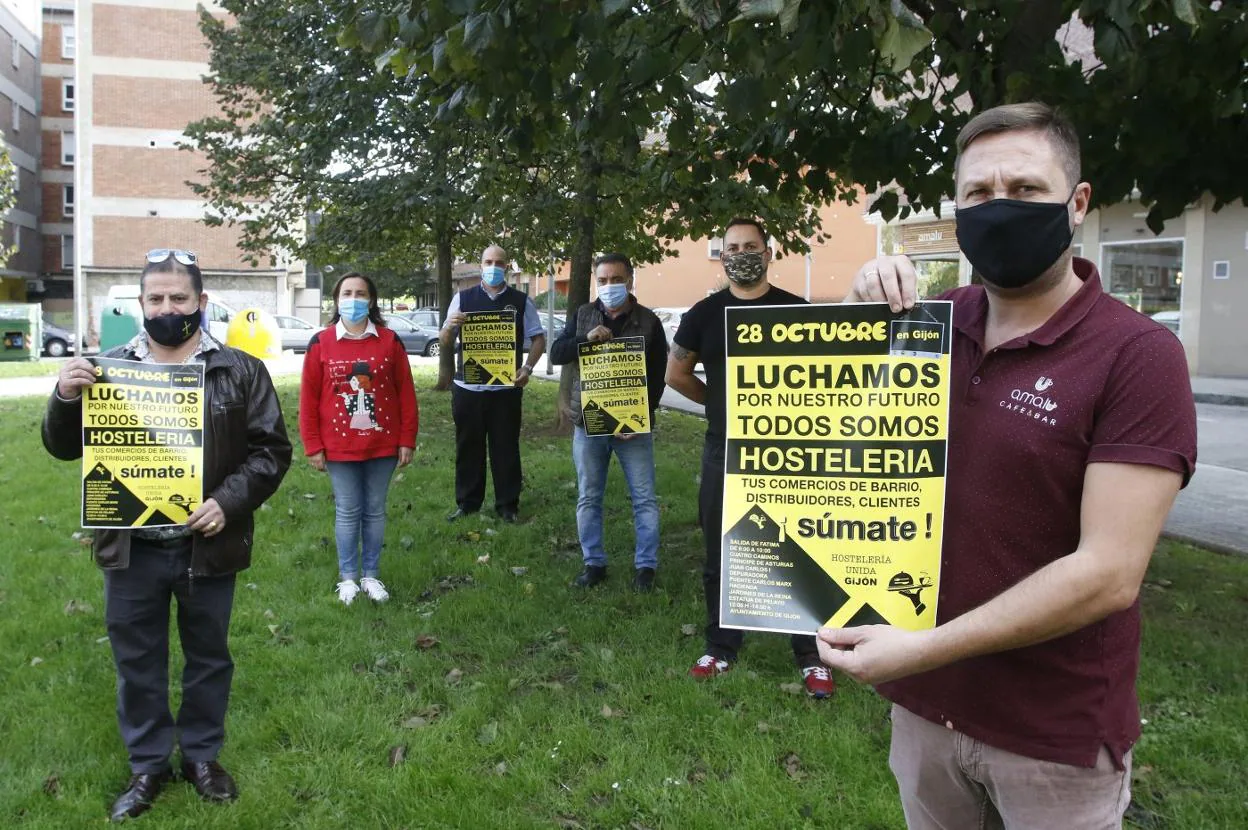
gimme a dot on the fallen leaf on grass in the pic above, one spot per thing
(52, 785)
(488, 734)
(269, 615)
(415, 722)
(764, 727)
(637, 825)
(453, 677)
(500, 768)
(529, 587)
(793, 766)
(472, 536)
(519, 571)
(75, 607)
(407, 542)
(426, 641)
(483, 559)
(309, 496)
(34, 661)
(792, 688)
(689, 629)
(607, 712)
(398, 754)
(568, 822)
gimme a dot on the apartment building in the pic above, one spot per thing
(138, 74)
(19, 122)
(56, 161)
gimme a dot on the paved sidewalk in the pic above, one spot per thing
(1221, 391)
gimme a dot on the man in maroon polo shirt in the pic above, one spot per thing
(1072, 428)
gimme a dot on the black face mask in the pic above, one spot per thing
(1011, 242)
(172, 330)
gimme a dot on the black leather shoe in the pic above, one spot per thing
(591, 576)
(210, 780)
(643, 580)
(139, 795)
(508, 516)
(458, 513)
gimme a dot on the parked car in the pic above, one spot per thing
(295, 332)
(57, 342)
(417, 339)
(423, 317)
(1169, 319)
(553, 325)
(670, 318)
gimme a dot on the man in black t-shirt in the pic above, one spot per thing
(700, 338)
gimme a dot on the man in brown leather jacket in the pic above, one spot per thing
(246, 454)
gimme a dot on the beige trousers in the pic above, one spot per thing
(949, 781)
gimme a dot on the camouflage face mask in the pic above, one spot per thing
(745, 268)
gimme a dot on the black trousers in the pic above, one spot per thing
(136, 612)
(724, 643)
(487, 421)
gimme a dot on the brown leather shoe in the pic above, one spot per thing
(210, 780)
(139, 794)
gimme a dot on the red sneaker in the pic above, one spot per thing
(709, 665)
(819, 682)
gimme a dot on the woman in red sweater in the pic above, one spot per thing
(358, 419)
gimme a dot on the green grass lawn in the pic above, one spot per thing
(43, 367)
(487, 693)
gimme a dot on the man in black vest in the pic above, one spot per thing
(616, 313)
(488, 416)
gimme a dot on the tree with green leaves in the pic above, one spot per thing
(308, 127)
(8, 196)
(1156, 87)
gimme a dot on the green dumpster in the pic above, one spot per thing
(21, 331)
(120, 321)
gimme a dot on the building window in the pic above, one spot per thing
(714, 248)
(67, 252)
(69, 43)
(67, 200)
(17, 117)
(1148, 276)
(67, 95)
(17, 53)
(67, 149)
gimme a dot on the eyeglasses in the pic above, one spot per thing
(157, 255)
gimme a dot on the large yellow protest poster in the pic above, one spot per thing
(142, 444)
(614, 397)
(834, 484)
(488, 340)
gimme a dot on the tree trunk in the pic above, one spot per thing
(581, 266)
(446, 357)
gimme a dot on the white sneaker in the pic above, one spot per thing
(347, 589)
(375, 590)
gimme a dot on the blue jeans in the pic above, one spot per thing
(592, 455)
(360, 512)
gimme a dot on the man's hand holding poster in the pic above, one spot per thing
(834, 484)
(488, 339)
(614, 397)
(142, 444)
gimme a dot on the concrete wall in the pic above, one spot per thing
(1223, 333)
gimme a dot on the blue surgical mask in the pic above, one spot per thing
(493, 275)
(353, 310)
(613, 295)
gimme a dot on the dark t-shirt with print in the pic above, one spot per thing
(702, 331)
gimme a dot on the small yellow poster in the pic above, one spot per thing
(834, 487)
(488, 340)
(142, 444)
(614, 397)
